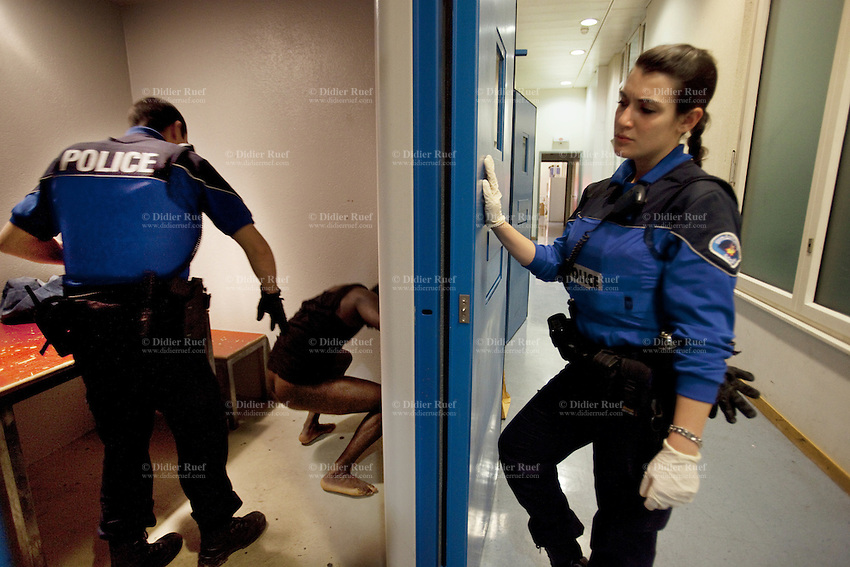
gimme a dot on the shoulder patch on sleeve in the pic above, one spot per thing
(726, 247)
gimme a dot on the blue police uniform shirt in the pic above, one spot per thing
(672, 268)
(128, 205)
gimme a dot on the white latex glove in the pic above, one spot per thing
(671, 478)
(492, 196)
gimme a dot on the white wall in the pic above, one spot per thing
(64, 79)
(723, 27)
(58, 88)
(394, 53)
(560, 113)
(598, 160)
(274, 82)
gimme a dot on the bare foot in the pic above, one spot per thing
(313, 431)
(343, 482)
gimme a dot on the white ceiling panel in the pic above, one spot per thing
(550, 29)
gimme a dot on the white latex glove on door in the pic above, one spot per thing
(492, 196)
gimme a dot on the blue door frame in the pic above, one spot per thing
(428, 116)
(464, 115)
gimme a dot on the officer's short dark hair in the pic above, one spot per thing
(155, 113)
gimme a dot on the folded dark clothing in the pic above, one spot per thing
(17, 306)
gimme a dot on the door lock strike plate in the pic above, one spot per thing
(463, 313)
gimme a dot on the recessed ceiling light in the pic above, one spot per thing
(589, 22)
(566, 83)
(577, 52)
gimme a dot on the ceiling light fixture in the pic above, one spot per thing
(566, 83)
(577, 52)
(589, 22)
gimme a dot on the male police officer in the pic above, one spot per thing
(129, 213)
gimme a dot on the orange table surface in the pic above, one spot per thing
(226, 343)
(20, 362)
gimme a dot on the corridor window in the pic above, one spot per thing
(524, 153)
(797, 190)
(834, 276)
(499, 92)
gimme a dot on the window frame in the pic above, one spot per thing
(500, 94)
(798, 307)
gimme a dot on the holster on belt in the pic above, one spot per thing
(565, 336)
(52, 320)
(196, 304)
(626, 378)
(196, 316)
(169, 306)
(635, 381)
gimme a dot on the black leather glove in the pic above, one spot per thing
(272, 304)
(729, 396)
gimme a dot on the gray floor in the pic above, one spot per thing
(761, 502)
(271, 472)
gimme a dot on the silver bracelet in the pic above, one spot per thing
(686, 434)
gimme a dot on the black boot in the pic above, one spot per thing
(217, 544)
(140, 553)
(566, 555)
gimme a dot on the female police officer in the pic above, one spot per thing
(650, 259)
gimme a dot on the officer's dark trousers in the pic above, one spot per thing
(566, 414)
(127, 379)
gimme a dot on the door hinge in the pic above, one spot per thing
(463, 311)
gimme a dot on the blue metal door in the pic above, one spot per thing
(482, 71)
(462, 110)
(522, 206)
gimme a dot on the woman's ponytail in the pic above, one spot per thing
(695, 72)
(695, 141)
